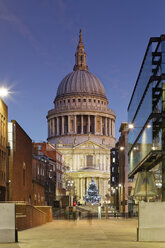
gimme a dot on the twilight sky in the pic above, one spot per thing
(38, 41)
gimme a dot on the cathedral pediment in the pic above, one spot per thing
(88, 145)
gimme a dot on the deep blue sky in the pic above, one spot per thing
(38, 41)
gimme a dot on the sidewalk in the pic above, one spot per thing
(110, 233)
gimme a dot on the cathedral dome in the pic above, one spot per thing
(81, 82)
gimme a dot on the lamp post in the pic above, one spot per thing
(70, 188)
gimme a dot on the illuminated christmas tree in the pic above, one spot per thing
(92, 195)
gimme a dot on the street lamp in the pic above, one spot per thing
(121, 148)
(70, 188)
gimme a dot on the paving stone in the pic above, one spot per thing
(111, 233)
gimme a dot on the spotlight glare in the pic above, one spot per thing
(131, 126)
(3, 92)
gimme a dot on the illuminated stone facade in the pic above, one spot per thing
(82, 127)
(3, 150)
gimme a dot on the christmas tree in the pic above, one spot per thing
(92, 195)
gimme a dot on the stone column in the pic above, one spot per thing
(62, 125)
(87, 183)
(94, 124)
(89, 123)
(75, 124)
(81, 188)
(98, 186)
(101, 186)
(101, 128)
(77, 187)
(68, 124)
(53, 127)
(105, 169)
(109, 127)
(113, 128)
(105, 126)
(48, 128)
(58, 130)
(82, 124)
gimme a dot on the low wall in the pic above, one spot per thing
(28, 216)
(7, 223)
(151, 222)
(48, 211)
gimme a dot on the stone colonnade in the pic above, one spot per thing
(81, 124)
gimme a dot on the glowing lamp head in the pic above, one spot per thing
(121, 148)
(131, 126)
(3, 92)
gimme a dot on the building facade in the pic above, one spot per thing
(124, 186)
(3, 151)
(38, 180)
(20, 164)
(114, 176)
(146, 114)
(55, 157)
(82, 126)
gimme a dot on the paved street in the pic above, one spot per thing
(70, 234)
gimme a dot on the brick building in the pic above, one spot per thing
(3, 148)
(20, 164)
(55, 167)
(38, 180)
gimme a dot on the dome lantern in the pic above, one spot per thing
(80, 56)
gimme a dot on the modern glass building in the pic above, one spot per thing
(146, 114)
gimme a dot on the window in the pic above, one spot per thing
(24, 173)
(73, 100)
(79, 100)
(89, 100)
(113, 160)
(39, 147)
(113, 169)
(68, 100)
(84, 100)
(98, 101)
(89, 161)
(60, 102)
(102, 102)
(113, 179)
(94, 100)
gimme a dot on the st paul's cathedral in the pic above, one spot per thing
(82, 127)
